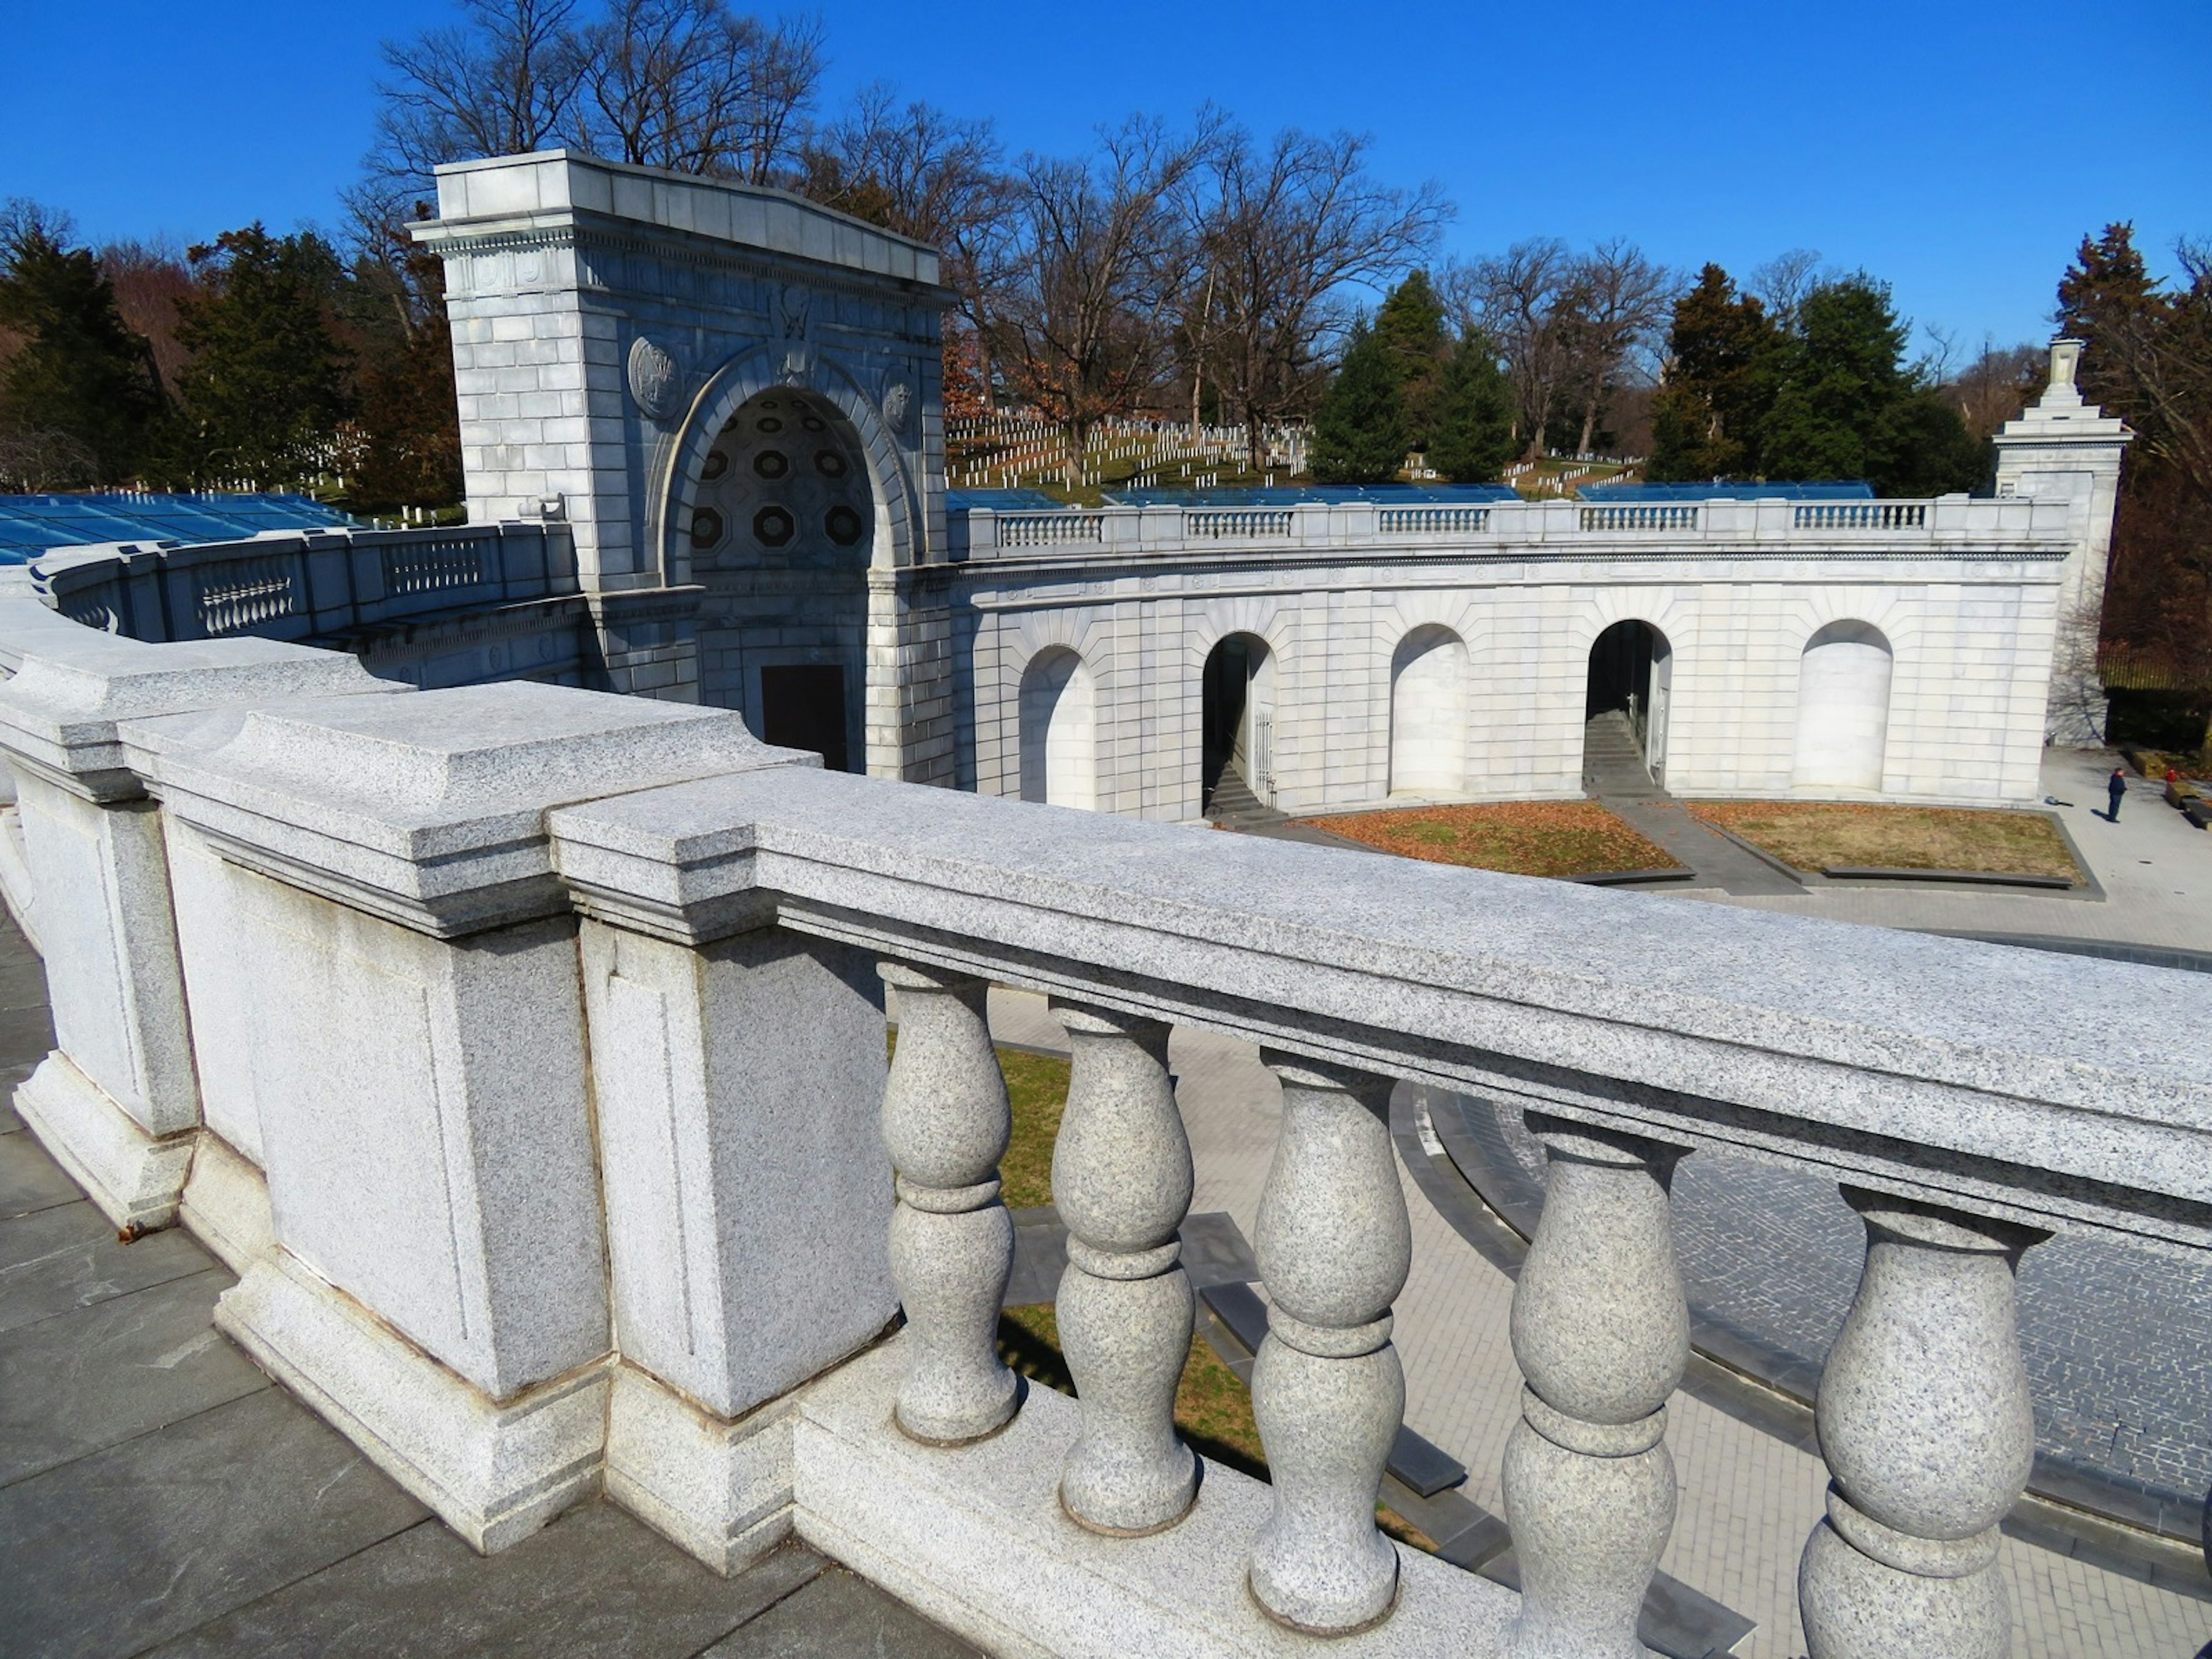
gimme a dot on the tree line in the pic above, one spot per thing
(1194, 269)
(2147, 359)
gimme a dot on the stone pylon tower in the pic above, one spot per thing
(2064, 448)
(733, 397)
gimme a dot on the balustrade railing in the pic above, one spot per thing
(1924, 1414)
(1220, 523)
(314, 585)
(1048, 529)
(1654, 517)
(1860, 515)
(1431, 520)
(1969, 1100)
(2024, 527)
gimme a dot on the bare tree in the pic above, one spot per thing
(1992, 387)
(1285, 230)
(1099, 257)
(500, 82)
(1618, 303)
(916, 170)
(1523, 301)
(1783, 283)
(691, 85)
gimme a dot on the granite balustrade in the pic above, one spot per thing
(522, 1047)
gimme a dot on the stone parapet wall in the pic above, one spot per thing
(522, 1048)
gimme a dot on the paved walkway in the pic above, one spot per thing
(1613, 772)
(159, 1495)
(1748, 1497)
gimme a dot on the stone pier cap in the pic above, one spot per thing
(2014, 1081)
(73, 689)
(503, 193)
(429, 809)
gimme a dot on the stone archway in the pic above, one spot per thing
(1628, 698)
(1236, 718)
(780, 530)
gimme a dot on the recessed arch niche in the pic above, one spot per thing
(781, 529)
(1843, 707)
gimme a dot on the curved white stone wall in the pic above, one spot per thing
(1058, 712)
(1843, 708)
(1428, 712)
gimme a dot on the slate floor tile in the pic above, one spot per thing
(26, 1034)
(30, 1179)
(145, 1541)
(102, 1374)
(843, 1616)
(23, 983)
(52, 1260)
(596, 1581)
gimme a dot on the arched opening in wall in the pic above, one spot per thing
(782, 525)
(1237, 725)
(1059, 721)
(1843, 708)
(1428, 714)
(1625, 707)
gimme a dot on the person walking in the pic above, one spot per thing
(2115, 786)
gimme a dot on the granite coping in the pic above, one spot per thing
(74, 686)
(1958, 1068)
(428, 808)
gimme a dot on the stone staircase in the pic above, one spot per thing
(1612, 760)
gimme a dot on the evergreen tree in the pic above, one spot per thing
(1411, 326)
(408, 429)
(1473, 436)
(265, 386)
(2108, 292)
(1706, 415)
(79, 397)
(1847, 406)
(1359, 430)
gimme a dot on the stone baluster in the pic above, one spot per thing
(1926, 1425)
(945, 1125)
(1121, 1178)
(1333, 1245)
(1601, 1331)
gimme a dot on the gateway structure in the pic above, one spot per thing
(702, 427)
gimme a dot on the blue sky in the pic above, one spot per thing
(1959, 151)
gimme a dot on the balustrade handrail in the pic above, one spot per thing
(2018, 527)
(1952, 1071)
(320, 584)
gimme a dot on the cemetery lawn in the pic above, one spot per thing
(1522, 838)
(1825, 834)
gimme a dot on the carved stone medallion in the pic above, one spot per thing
(656, 378)
(898, 406)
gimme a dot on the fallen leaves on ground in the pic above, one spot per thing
(1522, 838)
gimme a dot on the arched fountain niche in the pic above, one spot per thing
(780, 529)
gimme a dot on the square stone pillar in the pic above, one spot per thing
(2061, 448)
(437, 1289)
(118, 1102)
(740, 1073)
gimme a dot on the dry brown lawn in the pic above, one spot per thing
(1522, 838)
(1820, 834)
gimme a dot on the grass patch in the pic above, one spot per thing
(1037, 1087)
(1522, 838)
(1817, 835)
(1213, 1408)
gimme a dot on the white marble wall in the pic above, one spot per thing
(1972, 641)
